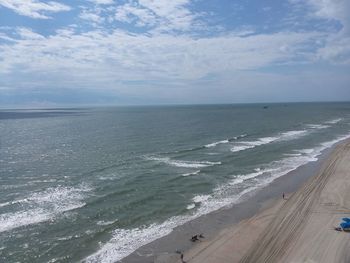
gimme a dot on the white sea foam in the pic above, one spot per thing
(241, 146)
(330, 143)
(318, 126)
(7, 203)
(216, 143)
(110, 176)
(241, 178)
(43, 206)
(304, 151)
(210, 145)
(106, 223)
(200, 198)
(293, 134)
(125, 241)
(182, 163)
(192, 173)
(334, 121)
(292, 154)
(238, 148)
(191, 206)
(63, 239)
(284, 136)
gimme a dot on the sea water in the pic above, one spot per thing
(95, 184)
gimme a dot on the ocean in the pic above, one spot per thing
(95, 184)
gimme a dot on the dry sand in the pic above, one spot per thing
(298, 229)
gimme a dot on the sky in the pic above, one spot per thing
(142, 52)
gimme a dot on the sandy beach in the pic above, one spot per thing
(297, 229)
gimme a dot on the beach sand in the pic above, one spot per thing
(297, 229)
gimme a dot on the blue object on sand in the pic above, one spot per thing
(346, 219)
(345, 226)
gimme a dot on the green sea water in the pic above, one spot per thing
(95, 184)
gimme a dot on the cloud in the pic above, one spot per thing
(102, 2)
(160, 47)
(92, 16)
(332, 9)
(34, 8)
(337, 50)
(337, 45)
(160, 15)
(134, 13)
(28, 34)
(115, 56)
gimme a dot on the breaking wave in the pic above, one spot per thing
(42, 206)
(125, 241)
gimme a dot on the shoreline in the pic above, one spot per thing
(298, 229)
(215, 223)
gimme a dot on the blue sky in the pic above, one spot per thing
(118, 52)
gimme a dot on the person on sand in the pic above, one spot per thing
(194, 238)
(338, 228)
(182, 258)
(283, 196)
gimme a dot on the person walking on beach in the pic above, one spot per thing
(182, 258)
(283, 196)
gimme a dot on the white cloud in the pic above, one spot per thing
(91, 16)
(102, 2)
(121, 56)
(34, 8)
(337, 50)
(170, 54)
(26, 33)
(337, 45)
(163, 15)
(129, 13)
(332, 9)
(328, 9)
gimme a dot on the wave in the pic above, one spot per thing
(334, 121)
(216, 143)
(329, 144)
(283, 136)
(125, 241)
(318, 126)
(325, 125)
(106, 223)
(190, 206)
(200, 198)
(292, 154)
(192, 173)
(231, 192)
(252, 144)
(241, 178)
(182, 163)
(210, 145)
(293, 134)
(43, 206)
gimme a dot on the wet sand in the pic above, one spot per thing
(297, 229)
